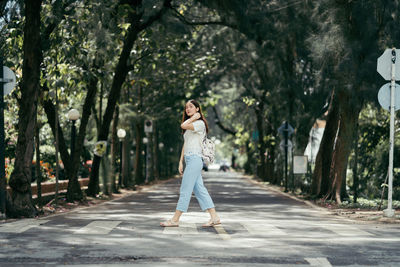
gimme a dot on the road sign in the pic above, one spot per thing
(300, 164)
(148, 126)
(8, 80)
(389, 68)
(384, 97)
(255, 135)
(384, 66)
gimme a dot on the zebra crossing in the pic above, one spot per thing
(21, 226)
(98, 227)
(224, 231)
(231, 230)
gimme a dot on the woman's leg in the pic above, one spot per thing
(205, 201)
(177, 216)
(213, 214)
(192, 171)
(202, 195)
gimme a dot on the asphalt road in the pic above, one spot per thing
(259, 227)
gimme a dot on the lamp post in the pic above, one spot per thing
(121, 133)
(145, 142)
(73, 115)
(160, 146)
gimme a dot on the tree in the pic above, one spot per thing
(136, 25)
(358, 29)
(20, 179)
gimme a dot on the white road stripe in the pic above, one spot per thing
(345, 230)
(262, 228)
(221, 232)
(21, 226)
(98, 227)
(183, 229)
(321, 262)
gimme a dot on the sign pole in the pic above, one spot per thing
(2, 163)
(286, 133)
(389, 212)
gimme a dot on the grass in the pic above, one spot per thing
(362, 204)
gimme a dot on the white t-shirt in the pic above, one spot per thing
(193, 139)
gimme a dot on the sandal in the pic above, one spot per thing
(169, 223)
(212, 223)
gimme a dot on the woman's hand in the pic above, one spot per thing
(180, 168)
(196, 116)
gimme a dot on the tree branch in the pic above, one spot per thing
(219, 123)
(194, 23)
(132, 66)
(156, 16)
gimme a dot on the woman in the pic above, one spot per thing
(194, 126)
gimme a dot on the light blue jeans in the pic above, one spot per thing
(192, 181)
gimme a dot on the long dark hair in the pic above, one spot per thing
(197, 105)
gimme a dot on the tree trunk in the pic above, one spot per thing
(125, 161)
(20, 179)
(156, 169)
(248, 166)
(261, 144)
(105, 173)
(270, 168)
(37, 169)
(343, 190)
(348, 118)
(114, 150)
(139, 178)
(355, 165)
(320, 183)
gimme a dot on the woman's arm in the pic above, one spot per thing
(181, 159)
(188, 124)
(180, 168)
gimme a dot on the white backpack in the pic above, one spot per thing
(208, 150)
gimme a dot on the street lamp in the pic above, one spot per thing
(121, 135)
(73, 115)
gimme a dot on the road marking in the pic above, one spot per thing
(262, 228)
(322, 262)
(183, 229)
(345, 230)
(21, 226)
(221, 232)
(98, 228)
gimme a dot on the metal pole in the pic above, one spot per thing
(73, 133)
(389, 212)
(291, 169)
(120, 164)
(2, 163)
(147, 159)
(56, 143)
(285, 132)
